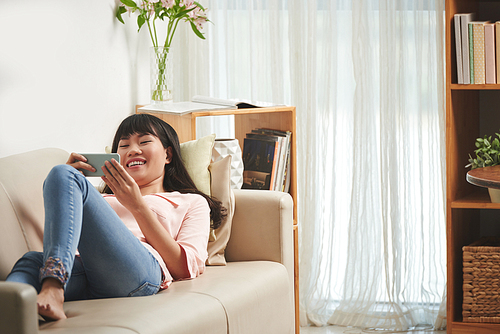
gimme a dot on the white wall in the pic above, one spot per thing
(69, 73)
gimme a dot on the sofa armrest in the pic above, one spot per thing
(18, 304)
(262, 227)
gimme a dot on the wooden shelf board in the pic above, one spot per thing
(241, 111)
(475, 87)
(477, 200)
(474, 327)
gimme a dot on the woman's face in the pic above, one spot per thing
(144, 157)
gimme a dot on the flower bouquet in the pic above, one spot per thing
(171, 11)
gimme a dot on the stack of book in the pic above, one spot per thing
(478, 58)
(266, 160)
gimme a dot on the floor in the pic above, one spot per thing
(350, 330)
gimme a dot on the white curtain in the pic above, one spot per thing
(367, 78)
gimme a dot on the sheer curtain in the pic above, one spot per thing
(367, 78)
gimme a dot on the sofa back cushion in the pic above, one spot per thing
(21, 203)
(197, 156)
(220, 172)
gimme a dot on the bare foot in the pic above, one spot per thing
(50, 300)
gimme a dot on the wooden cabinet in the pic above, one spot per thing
(471, 112)
(245, 120)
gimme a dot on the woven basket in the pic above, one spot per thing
(482, 281)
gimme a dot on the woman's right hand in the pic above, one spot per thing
(79, 162)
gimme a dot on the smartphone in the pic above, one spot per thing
(97, 160)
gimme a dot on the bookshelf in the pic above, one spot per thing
(245, 120)
(471, 112)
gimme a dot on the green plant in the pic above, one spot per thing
(487, 152)
(171, 11)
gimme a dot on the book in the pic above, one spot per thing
(277, 155)
(234, 103)
(465, 18)
(284, 155)
(276, 175)
(181, 108)
(286, 172)
(471, 54)
(478, 51)
(258, 163)
(497, 48)
(202, 103)
(458, 48)
(489, 53)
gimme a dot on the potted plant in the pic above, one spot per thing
(487, 154)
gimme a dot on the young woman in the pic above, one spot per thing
(150, 229)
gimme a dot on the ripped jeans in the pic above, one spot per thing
(112, 262)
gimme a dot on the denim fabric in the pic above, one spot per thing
(112, 261)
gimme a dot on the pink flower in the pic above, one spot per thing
(148, 6)
(200, 22)
(194, 13)
(168, 3)
(150, 10)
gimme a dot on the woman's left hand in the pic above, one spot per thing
(124, 187)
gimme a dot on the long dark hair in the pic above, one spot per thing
(176, 176)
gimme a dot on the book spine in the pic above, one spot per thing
(464, 21)
(489, 53)
(275, 163)
(458, 49)
(286, 170)
(478, 44)
(471, 54)
(497, 48)
(282, 164)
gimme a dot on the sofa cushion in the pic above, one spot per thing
(221, 189)
(161, 313)
(242, 292)
(248, 290)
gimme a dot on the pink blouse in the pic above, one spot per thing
(185, 216)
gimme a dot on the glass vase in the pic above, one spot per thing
(161, 75)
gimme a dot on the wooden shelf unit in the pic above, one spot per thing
(245, 120)
(469, 115)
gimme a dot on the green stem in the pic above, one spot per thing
(169, 32)
(151, 34)
(162, 66)
(170, 36)
(154, 29)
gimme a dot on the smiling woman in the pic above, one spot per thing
(150, 230)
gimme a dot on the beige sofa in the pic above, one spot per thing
(253, 293)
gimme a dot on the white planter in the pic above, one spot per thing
(223, 148)
(494, 195)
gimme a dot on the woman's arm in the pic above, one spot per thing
(157, 236)
(127, 192)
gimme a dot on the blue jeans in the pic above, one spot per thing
(112, 261)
